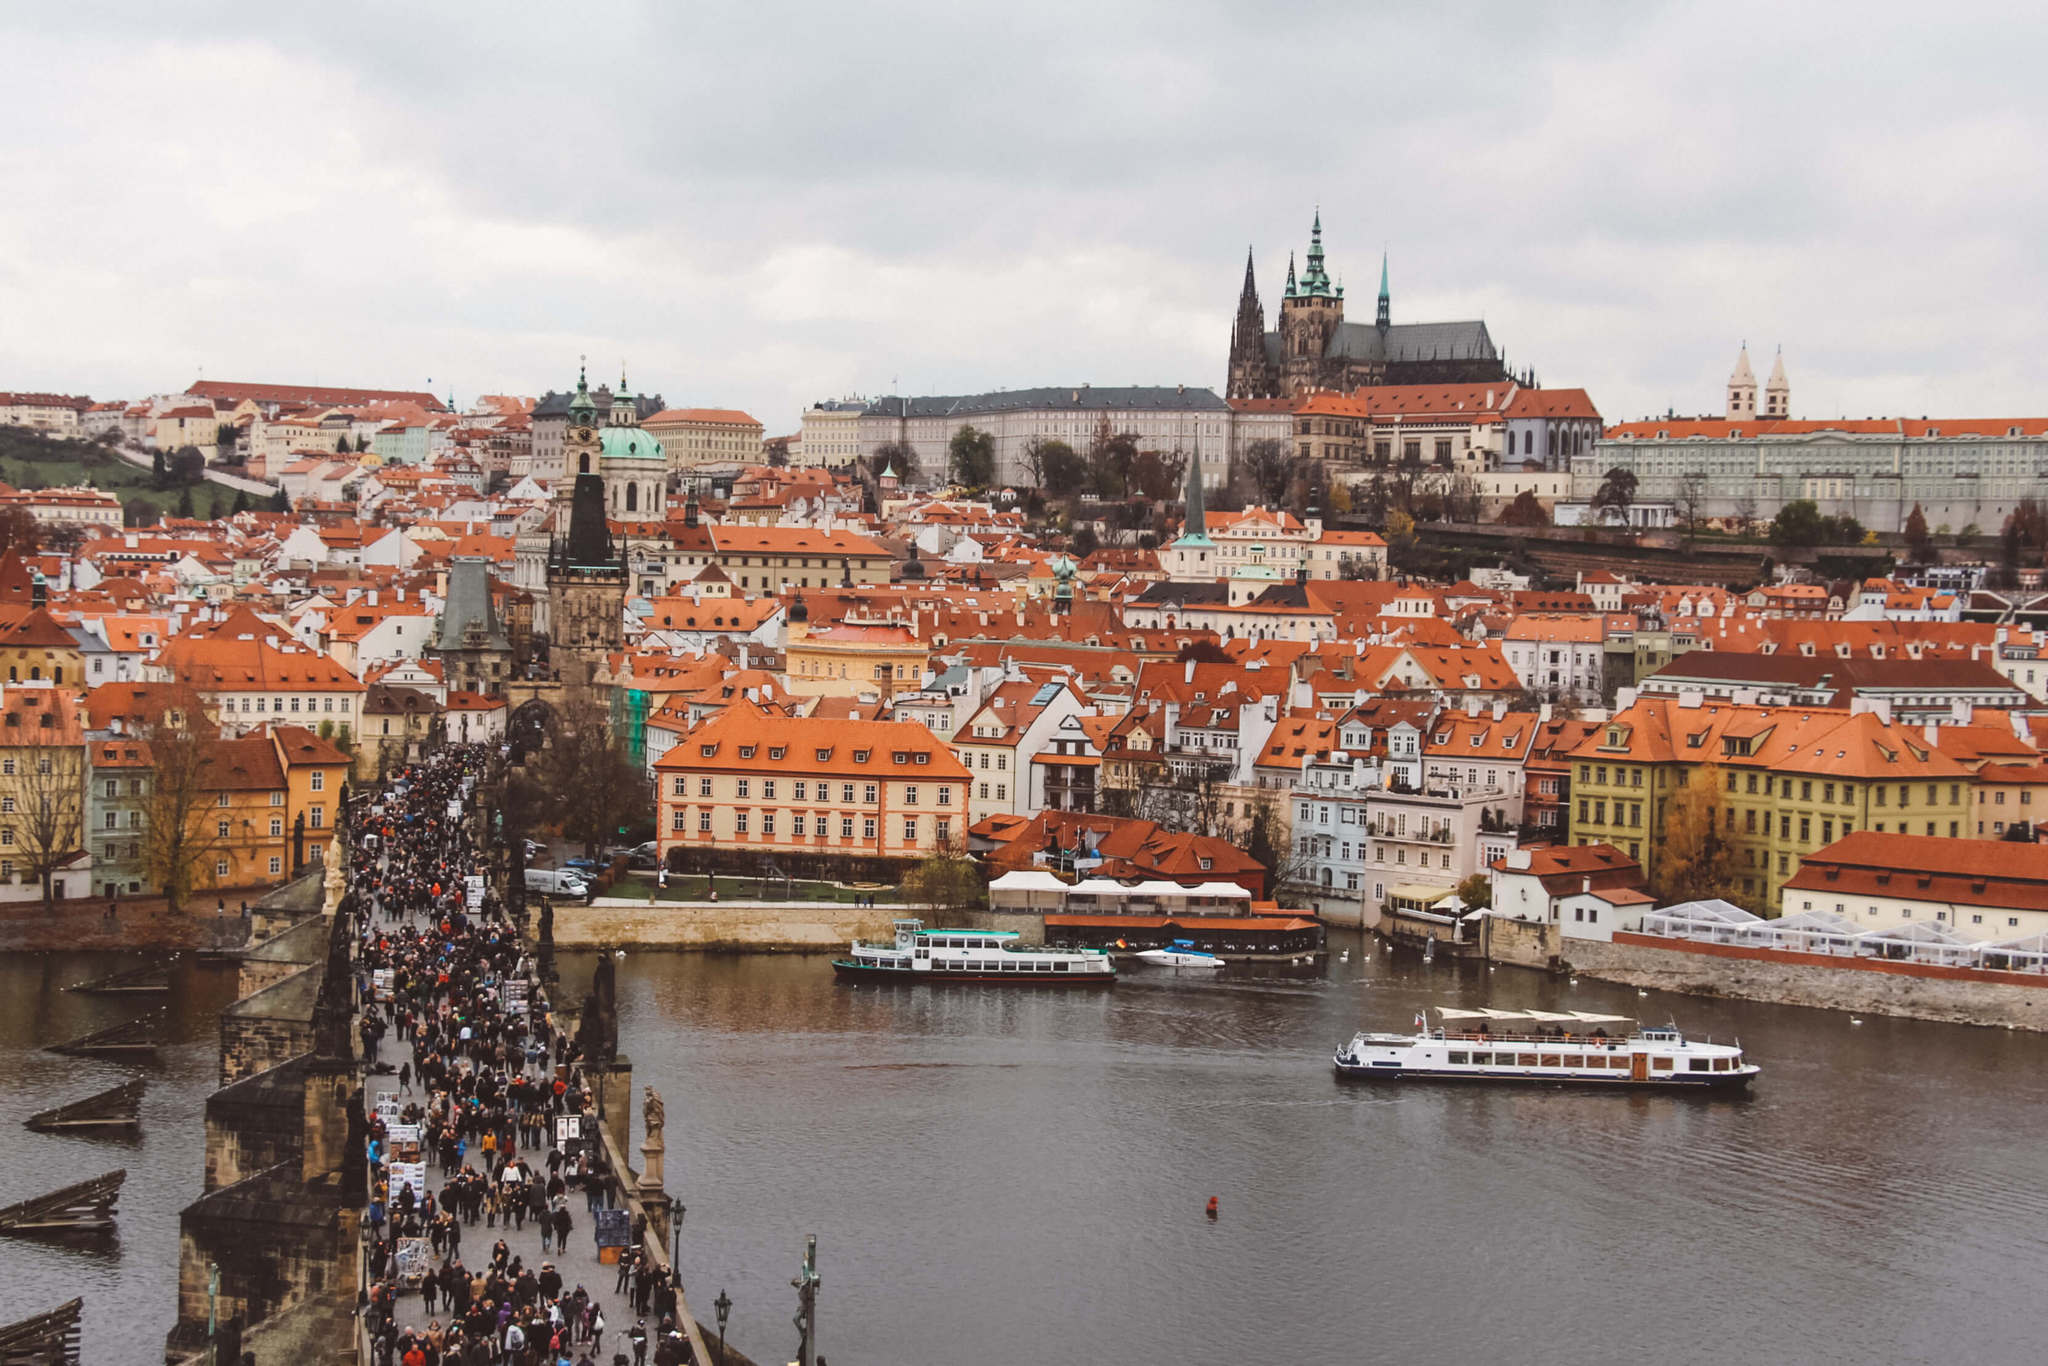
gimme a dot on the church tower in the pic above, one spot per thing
(1251, 375)
(582, 444)
(1778, 390)
(1309, 317)
(633, 463)
(1742, 389)
(1385, 319)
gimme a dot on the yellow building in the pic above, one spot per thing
(2009, 796)
(42, 789)
(703, 436)
(847, 658)
(1787, 781)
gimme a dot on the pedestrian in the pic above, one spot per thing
(405, 1076)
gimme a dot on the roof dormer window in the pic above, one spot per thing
(709, 750)
(860, 756)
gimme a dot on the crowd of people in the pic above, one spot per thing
(487, 1093)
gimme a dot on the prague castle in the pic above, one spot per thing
(1316, 349)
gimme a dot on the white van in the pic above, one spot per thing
(556, 882)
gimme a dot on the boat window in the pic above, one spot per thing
(1720, 1064)
(1661, 1064)
(1059, 967)
(1551, 1060)
(1525, 1059)
(1459, 1057)
(1696, 1065)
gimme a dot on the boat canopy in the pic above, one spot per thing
(1449, 1013)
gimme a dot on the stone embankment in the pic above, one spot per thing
(754, 926)
(1863, 986)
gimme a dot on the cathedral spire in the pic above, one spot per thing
(1290, 274)
(1196, 525)
(1385, 317)
(1316, 280)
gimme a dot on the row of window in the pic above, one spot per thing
(743, 790)
(801, 825)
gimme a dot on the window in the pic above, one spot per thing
(221, 800)
(221, 829)
(277, 799)
(868, 792)
(678, 820)
(767, 822)
(704, 822)
(767, 789)
(739, 823)
(845, 792)
(798, 825)
(276, 865)
(703, 787)
(867, 828)
(276, 826)
(220, 868)
(910, 795)
(803, 790)
(319, 781)
(910, 830)
(945, 796)
(317, 818)
(846, 827)
(742, 788)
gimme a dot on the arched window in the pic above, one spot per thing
(583, 464)
(632, 497)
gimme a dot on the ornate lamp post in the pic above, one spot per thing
(722, 1306)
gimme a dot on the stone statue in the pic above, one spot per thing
(652, 1113)
(598, 1033)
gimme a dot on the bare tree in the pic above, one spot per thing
(179, 831)
(1692, 500)
(50, 790)
(590, 780)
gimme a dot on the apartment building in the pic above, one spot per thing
(810, 794)
(1786, 781)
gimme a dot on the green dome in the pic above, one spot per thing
(632, 443)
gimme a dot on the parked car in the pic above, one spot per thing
(584, 865)
(635, 855)
(556, 882)
(535, 849)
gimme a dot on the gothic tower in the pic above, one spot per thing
(1251, 375)
(1778, 390)
(1742, 389)
(582, 446)
(586, 587)
(1309, 316)
(1385, 319)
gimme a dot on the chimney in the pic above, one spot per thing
(1187, 674)
(1500, 708)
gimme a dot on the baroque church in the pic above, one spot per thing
(1316, 349)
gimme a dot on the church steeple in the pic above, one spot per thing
(1290, 275)
(582, 408)
(1315, 280)
(1385, 319)
(1197, 524)
(1778, 390)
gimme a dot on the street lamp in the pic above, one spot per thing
(722, 1306)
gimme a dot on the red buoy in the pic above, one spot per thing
(1212, 1207)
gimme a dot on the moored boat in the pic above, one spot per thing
(1181, 953)
(1572, 1048)
(983, 956)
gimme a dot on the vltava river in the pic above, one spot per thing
(1012, 1175)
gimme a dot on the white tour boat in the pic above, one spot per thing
(922, 955)
(1575, 1048)
(1182, 953)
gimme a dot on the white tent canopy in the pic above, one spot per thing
(1027, 880)
(1218, 889)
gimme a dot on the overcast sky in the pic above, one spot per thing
(762, 205)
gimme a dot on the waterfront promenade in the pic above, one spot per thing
(475, 1083)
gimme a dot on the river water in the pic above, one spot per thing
(130, 1281)
(1018, 1175)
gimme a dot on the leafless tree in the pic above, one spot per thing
(49, 789)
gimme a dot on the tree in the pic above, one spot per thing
(590, 781)
(1476, 891)
(1798, 523)
(241, 501)
(1340, 498)
(1692, 500)
(947, 880)
(19, 531)
(187, 464)
(185, 501)
(50, 792)
(1110, 454)
(2024, 533)
(1745, 509)
(159, 470)
(341, 444)
(1695, 861)
(971, 457)
(1526, 510)
(362, 442)
(1157, 475)
(179, 833)
(1260, 474)
(1053, 466)
(1400, 531)
(1617, 491)
(1919, 546)
(280, 502)
(1084, 541)
(224, 438)
(898, 455)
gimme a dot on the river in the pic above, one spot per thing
(130, 1281)
(1018, 1175)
